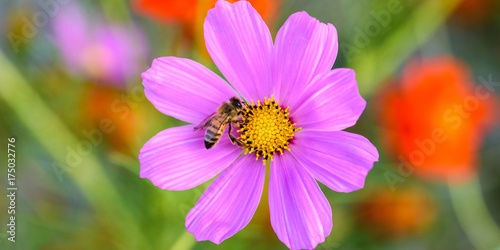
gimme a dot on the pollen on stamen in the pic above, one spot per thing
(266, 129)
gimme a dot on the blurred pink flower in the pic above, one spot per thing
(106, 52)
(320, 102)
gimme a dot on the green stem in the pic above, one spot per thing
(473, 215)
(184, 242)
(50, 132)
(402, 42)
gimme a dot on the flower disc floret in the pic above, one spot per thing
(266, 129)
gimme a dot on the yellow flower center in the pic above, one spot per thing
(266, 128)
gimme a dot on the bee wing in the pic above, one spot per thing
(204, 124)
(223, 123)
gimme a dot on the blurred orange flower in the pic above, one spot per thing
(191, 13)
(476, 12)
(404, 212)
(436, 117)
(108, 117)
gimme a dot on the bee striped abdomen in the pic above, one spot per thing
(214, 132)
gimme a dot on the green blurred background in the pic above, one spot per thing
(71, 95)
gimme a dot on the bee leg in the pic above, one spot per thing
(238, 123)
(233, 139)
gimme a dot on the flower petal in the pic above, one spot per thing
(176, 158)
(185, 89)
(229, 202)
(304, 48)
(332, 102)
(300, 213)
(338, 159)
(240, 44)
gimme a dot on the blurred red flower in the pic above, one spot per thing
(404, 212)
(436, 117)
(476, 12)
(191, 13)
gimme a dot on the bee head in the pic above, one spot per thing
(236, 102)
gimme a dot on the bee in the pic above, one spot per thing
(227, 114)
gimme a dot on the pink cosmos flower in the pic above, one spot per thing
(309, 105)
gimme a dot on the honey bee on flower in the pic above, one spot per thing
(296, 108)
(215, 123)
